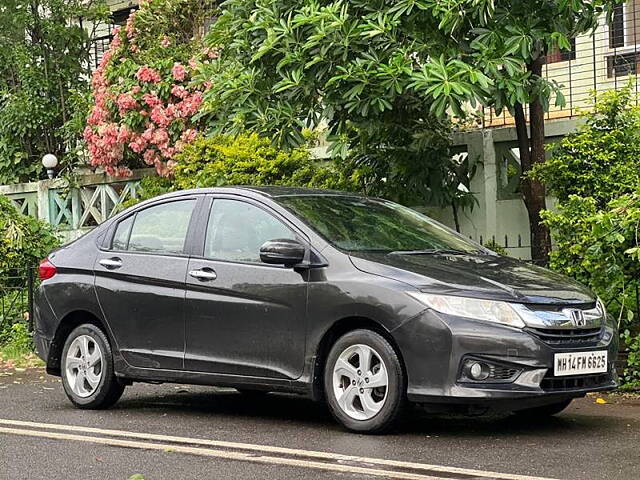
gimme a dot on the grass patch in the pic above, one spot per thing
(13, 358)
(17, 350)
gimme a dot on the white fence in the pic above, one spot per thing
(76, 209)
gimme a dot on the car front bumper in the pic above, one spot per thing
(435, 346)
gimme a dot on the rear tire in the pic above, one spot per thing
(544, 411)
(364, 383)
(87, 369)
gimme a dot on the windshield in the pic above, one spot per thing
(361, 224)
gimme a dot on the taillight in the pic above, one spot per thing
(46, 270)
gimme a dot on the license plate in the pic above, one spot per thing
(579, 363)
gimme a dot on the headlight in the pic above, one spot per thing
(476, 309)
(600, 307)
(609, 320)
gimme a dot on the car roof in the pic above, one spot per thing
(271, 191)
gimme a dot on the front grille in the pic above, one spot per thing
(559, 384)
(497, 372)
(577, 337)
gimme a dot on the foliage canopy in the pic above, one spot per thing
(347, 69)
(44, 66)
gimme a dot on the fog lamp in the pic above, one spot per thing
(479, 371)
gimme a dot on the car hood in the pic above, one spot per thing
(479, 276)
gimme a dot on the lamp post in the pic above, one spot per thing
(50, 162)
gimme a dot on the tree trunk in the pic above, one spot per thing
(531, 152)
(456, 219)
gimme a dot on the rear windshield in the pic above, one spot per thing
(360, 224)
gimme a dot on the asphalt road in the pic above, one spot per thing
(43, 437)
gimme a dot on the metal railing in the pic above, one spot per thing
(78, 208)
(606, 59)
(16, 298)
(104, 35)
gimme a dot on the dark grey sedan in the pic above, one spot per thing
(355, 300)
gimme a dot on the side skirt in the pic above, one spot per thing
(137, 374)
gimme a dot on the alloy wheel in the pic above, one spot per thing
(84, 366)
(360, 382)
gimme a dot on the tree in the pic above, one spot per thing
(382, 75)
(44, 65)
(506, 41)
(345, 68)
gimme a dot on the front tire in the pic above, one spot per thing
(544, 411)
(364, 383)
(87, 369)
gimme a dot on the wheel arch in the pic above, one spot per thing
(68, 323)
(335, 331)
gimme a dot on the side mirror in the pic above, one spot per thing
(282, 252)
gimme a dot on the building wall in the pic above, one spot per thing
(500, 214)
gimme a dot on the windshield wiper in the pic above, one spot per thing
(431, 251)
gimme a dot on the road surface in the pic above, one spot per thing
(186, 432)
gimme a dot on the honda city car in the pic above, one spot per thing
(357, 301)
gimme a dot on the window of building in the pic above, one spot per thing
(556, 55)
(624, 30)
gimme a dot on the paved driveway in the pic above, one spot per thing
(184, 432)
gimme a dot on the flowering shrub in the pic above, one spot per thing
(144, 100)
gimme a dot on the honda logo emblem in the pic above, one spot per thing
(576, 316)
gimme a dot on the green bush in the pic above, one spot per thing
(595, 174)
(16, 340)
(249, 159)
(600, 159)
(24, 241)
(599, 247)
(631, 374)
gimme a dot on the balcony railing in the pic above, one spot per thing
(609, 58)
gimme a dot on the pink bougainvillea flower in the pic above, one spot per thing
(179, 91)
(126, 102)
(148, 75)
(138, 143)
(190, 105)
(160, 137)
(212, 53)
(151, 99)
(179, 72)
(189, 135)
(150, 157)
(148, 133)
(131, 27)
(159, 117)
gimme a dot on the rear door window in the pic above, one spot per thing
(158, 229)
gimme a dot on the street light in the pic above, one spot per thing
(50, 162)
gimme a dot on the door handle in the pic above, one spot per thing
(111, 263)
(204, 274)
